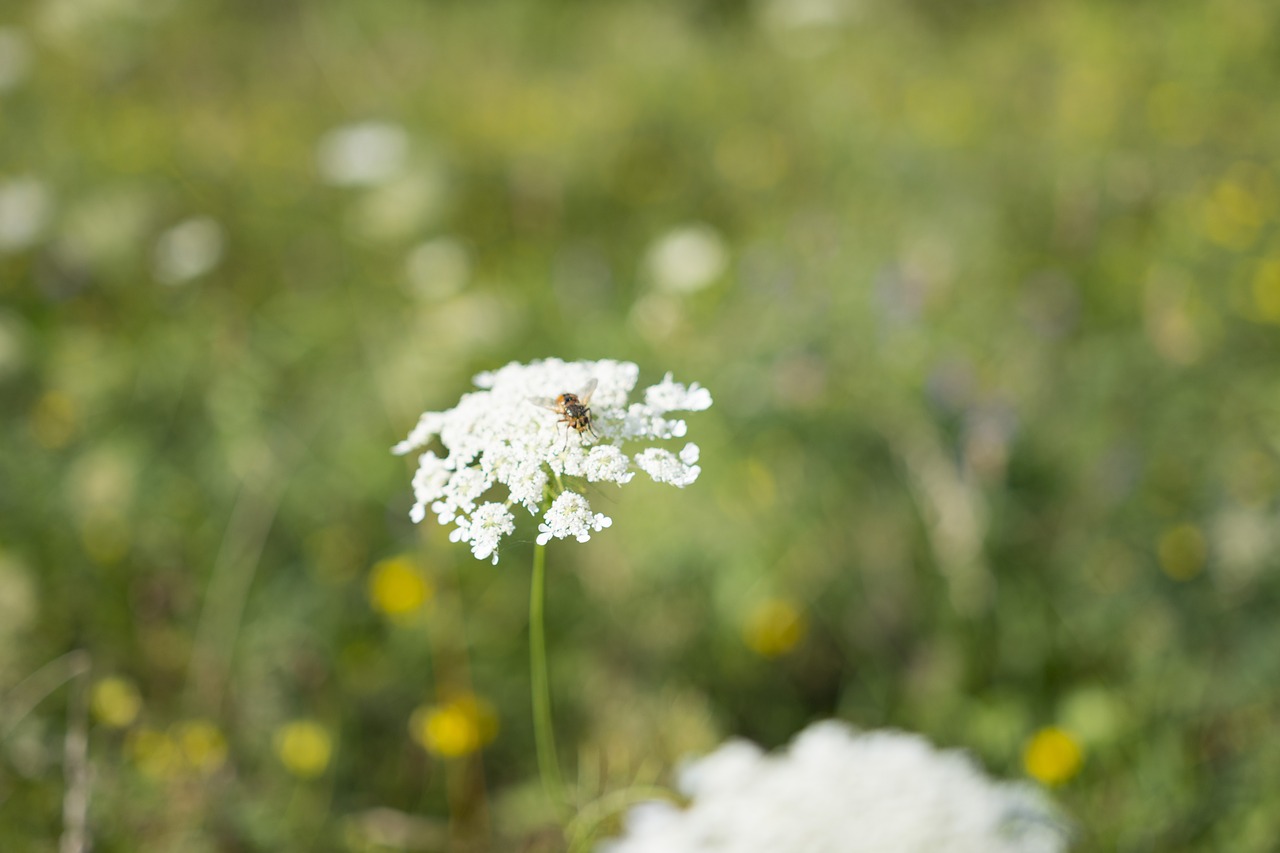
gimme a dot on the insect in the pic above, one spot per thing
(573, 409)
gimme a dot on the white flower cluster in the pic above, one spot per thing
(505, 435)
(839, 791)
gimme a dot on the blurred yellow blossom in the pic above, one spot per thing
(1052, 756)
(53, 420)
(774, 627)
(203, 745)
(1182, 552)
(155, 753)
(115, 702)
(457, 727)
(1235, 210)
(304, 747)
(397, 587)
(1266, 290)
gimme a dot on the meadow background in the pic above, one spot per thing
(987, 294)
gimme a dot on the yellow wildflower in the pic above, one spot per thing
(397, 588)
(774, 627)
(1182, 551)
(154, 752)
(457, 727)
(115, 702)
(304, 747)
(203, 745)
(1053, 756)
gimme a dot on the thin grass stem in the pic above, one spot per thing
(543, 730)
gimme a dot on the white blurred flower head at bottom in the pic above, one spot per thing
(837, 790)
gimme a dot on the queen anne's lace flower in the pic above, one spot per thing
(570, 515)
(500, 436)
(665, 467)
(484, 529)
(839, 791)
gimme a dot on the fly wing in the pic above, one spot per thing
(546, 403)
(584, 396)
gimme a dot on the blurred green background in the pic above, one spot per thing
(987, 293)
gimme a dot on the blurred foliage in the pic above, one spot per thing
(987, 293)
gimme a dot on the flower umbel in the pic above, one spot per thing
(839, 789)
(499, 436)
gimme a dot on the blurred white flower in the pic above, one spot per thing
(1244, 538)
(25, 208)
(687, 259)
(665, 467)
(15, 57)
(187, 250)
(804, 14)
(67, 22)
(484, 530)
(501, 435)
(363, 154)
(399, 207)
(438, 268)
(106, 226)
(836, 790)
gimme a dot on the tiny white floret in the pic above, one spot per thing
(484, 530)
(571, 515)
(666, 467)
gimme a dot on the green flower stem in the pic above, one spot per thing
(543, 730)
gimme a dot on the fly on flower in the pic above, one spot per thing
(574, 409)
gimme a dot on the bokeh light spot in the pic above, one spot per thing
(26, 207)
(362, 155)
(687, 259)
(187, 250)
(1094, 715)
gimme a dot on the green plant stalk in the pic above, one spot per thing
(585, 826)
(543, 730)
